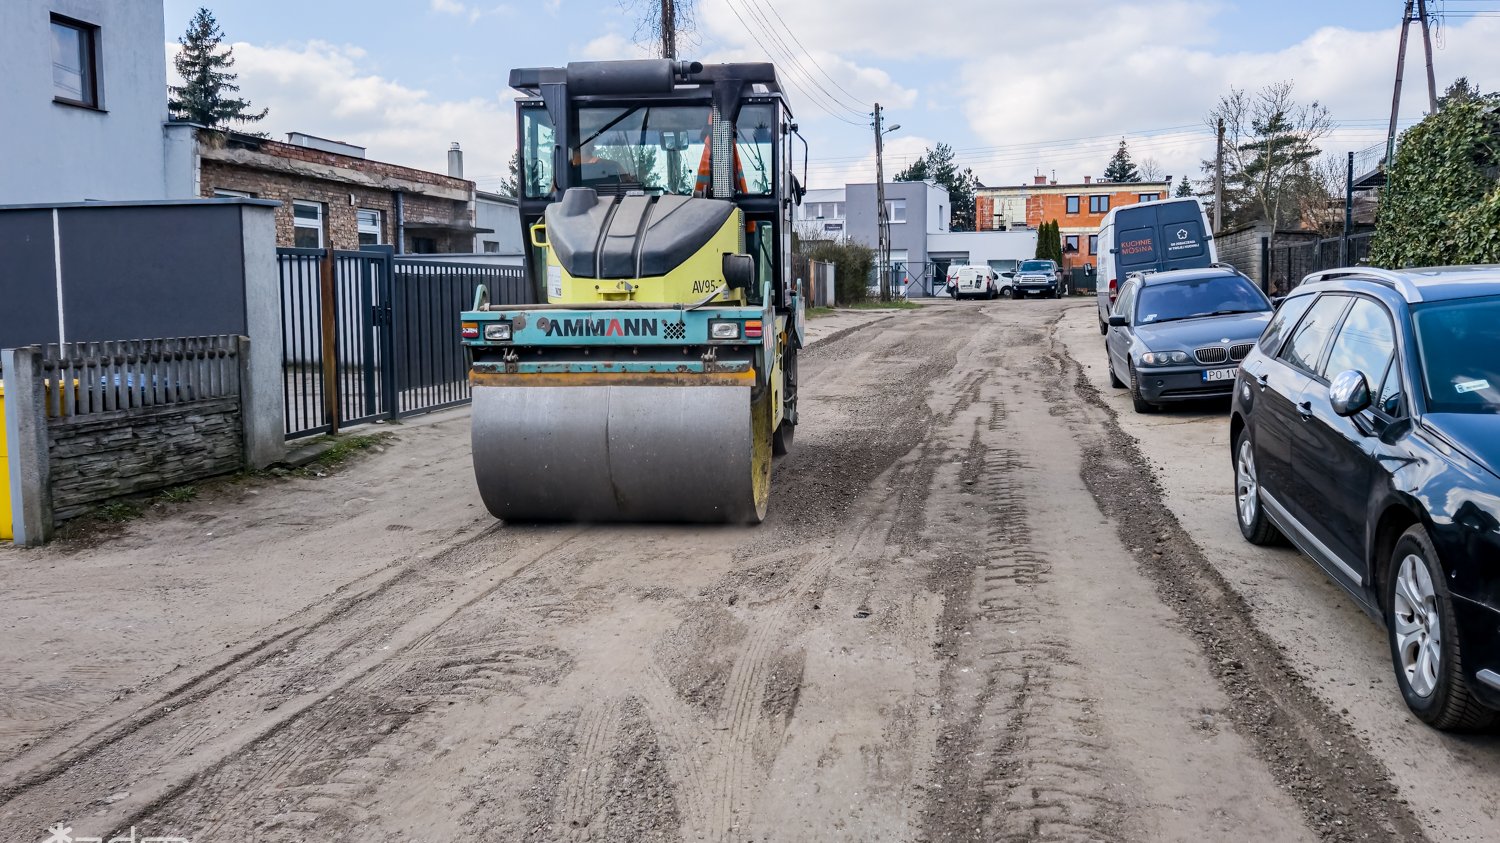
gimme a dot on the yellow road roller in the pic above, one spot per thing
(656, 375)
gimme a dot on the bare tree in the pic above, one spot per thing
(1150, 170)
(662, 24)
(1321, 203)
(1270, 149)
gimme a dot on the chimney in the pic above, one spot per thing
(1039, 179)
(1054, 177)
(455, 161)
(1088, 179)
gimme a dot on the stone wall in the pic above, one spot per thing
(105, 455)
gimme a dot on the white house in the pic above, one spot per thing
(84, 101)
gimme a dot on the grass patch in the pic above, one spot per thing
(346, 447)
(894, 304)
(118, 512)
(179, 494)
(815, 312)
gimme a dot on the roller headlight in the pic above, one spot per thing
(1165, 358)
(724, 330)
(497, 331)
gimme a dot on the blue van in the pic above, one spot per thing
(1150, 237)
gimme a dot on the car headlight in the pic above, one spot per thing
(1165, 358)
(497, 331)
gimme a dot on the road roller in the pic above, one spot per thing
(653, 375)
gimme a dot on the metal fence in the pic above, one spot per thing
(91, 378)
(1289, 264)
(366, 335)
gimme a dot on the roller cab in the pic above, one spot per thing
(655, 378)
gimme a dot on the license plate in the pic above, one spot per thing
(1211, 375)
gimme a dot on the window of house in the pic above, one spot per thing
(307, 222)
(424, 245)
(838, 210)
(75, 54)
(1149, 197)
(226, 193)
(491, 247)
(1072, 204)
(1071, 242)
(1099, 204)
(1093, 244)
(369, 227)
(895, 210)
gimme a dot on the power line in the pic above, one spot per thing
(792, 78)
(791, 56)
(772, 6)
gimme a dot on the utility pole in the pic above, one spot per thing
(1219, 178)
(669, 29)
(1390, 138)
(1344, 256)
(882, 223)
(1427, 46)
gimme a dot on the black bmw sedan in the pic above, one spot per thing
(1365, 429)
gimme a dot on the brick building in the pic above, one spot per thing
(1078, 208)
(332, 195)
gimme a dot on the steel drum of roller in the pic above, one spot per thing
(622, 453)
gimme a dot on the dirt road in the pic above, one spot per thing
(974, 614)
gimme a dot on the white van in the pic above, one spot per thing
(974, 282)
(1150, 237)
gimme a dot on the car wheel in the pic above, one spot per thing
(1425, 649)
(1141, 404)
(1103, 328)
(1254, 525)
(1114, 379)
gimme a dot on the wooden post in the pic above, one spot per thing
(26, 432)
(327, 309)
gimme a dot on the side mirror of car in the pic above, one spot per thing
(1276, 302)
(1118, 321)
(1349, 393)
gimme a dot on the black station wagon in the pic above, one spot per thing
(1366, 429)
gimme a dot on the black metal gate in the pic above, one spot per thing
(368, 336)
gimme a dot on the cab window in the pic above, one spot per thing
(755, 138)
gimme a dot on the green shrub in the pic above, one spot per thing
(853, 265)
(1441, 202)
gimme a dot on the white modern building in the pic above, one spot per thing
(83, 97)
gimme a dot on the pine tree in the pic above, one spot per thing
(938, 165)
(206, 96)
(1184, 188)
(1120, 167)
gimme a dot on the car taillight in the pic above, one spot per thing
(1114, 289)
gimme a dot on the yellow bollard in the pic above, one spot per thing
(7, 529)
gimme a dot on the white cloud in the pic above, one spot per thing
(613, 46)
(325, 90)
(471, 11)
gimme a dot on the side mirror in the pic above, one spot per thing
(739, 271)
(1349, 393)
(1118, 321)
(1276, 302)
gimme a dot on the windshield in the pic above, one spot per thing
(1458, 343)
(1036, 266)
(1215, 295)
(666, 149)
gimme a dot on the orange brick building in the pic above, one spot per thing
(1078, 208)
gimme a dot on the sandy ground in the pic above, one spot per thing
(987, 605)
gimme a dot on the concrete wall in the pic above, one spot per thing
(911, 235)
(504, 218)
(981, 247)
(52, 152)
(98, 457)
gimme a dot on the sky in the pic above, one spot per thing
(1017, 87)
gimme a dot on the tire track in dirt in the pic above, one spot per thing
(1345, 791)
(254, 705)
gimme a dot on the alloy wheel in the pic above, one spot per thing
(1417, 626)
(1246, 486)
